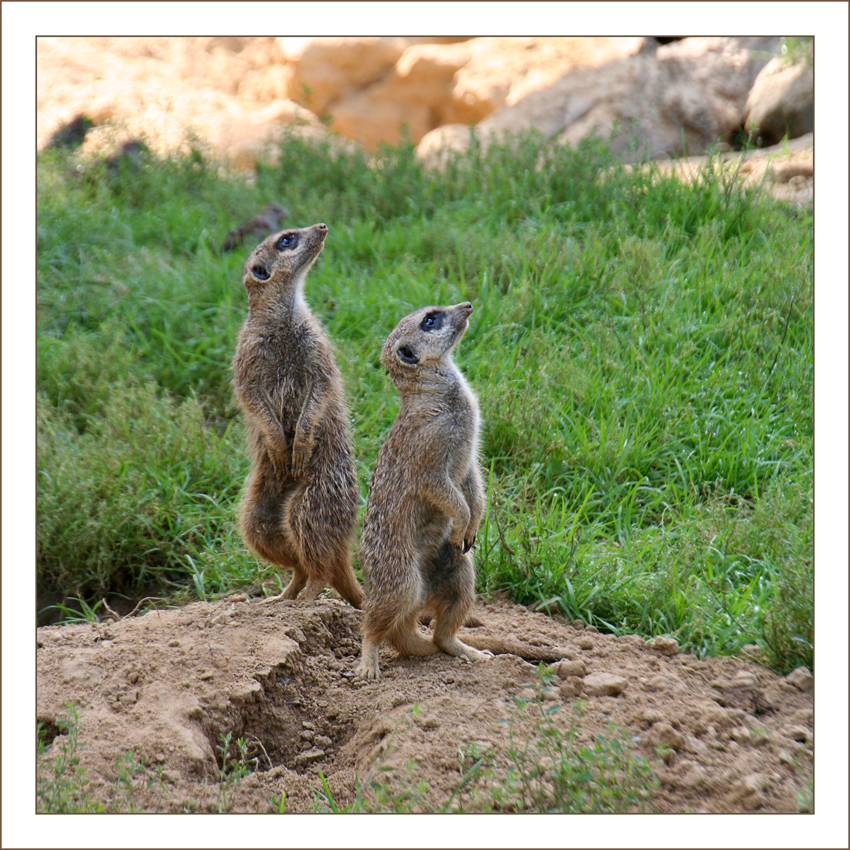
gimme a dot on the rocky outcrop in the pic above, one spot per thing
(436, 84)
(322, 70)
(684, 97)
(240, 95)
(781, 101)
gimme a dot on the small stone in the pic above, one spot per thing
(604, 684)
(751, 650)
(159, 758)
(665, 645)
(754, 783)
(308, 724)
(237, 597)
(172, 776)
(667, 755)
(797, 733)
(309, 757)
(694, 776)
(307, 735)
(664, 734)
(801, 678)
(585, 643)
(323, 742)
(651, 715)
(592, 629)
(578, 624)
(571, 687)
(566, 669)
(803, 717)
(695, 746)
(743, 679)
(740, 734)
(129, 698)
(429, 722)
(660, 683)
(753, 801)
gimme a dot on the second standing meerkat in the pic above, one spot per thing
(426, 498)
(299, 507)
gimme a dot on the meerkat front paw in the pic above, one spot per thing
(300, 459)
(468, 544)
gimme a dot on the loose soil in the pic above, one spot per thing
(721, 734)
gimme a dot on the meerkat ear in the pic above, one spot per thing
(407, 355)
(261, 272)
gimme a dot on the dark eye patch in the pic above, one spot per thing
(261, 272)
(432, 322)
(406, 355)
(287, 241)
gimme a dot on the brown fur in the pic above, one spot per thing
(299, 506)
(426, 499)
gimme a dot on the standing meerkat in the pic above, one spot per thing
(299, 507)
(426, 498)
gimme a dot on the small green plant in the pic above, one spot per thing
(544, 769)
(231, 770)
(794, 49)
(547, 769)
(386, 788)
(62, 785)
(277, 803)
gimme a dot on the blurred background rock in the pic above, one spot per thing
(650, 97)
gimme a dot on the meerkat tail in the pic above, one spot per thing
(500, 646)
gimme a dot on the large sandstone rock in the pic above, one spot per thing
(690, 94)
(436, 84)
(320, 70)
(782, 100)
(244, 137)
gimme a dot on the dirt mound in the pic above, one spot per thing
(721, 734)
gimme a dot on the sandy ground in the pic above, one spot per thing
(736, 737)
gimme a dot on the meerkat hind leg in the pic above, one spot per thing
(454, 646)
(368, 667)
(448, 621)
(295, 586)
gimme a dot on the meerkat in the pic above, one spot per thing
(426, 498)
(299, 506)
(258, 227)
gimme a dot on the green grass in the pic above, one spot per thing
(642, 351)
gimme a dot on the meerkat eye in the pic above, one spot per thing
(288, 240)
(406, 355)
(432, 322)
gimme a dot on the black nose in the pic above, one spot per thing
(467, 306)
(322, 227)
(261, 272)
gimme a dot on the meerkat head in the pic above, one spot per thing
(423, 341)
(279, 264)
